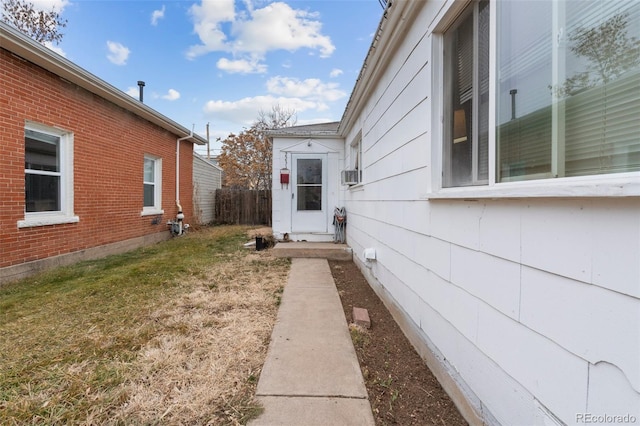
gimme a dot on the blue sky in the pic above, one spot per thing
(222, 61)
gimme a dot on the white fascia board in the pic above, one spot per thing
(394, 24)
(307, 135)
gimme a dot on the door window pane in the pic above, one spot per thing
(309, 171)
(310, 198)
(309, 183)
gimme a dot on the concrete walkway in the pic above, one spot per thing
(311, 375)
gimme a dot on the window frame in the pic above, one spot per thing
(626, 184)
(156, 208)
(65, 214)
(356, 157)
(473, 125)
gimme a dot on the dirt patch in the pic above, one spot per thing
(401, 388)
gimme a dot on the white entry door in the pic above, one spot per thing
(309, 195)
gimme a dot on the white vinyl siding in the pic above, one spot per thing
(206, 179)
(522, 290)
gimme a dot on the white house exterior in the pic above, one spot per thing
(207, 177)
(499, 188)
(311, 157)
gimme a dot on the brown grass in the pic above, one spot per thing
(204, 367)
(173, 334)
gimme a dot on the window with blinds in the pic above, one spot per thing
(466, 80)
(568, 82)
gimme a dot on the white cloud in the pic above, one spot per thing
(208, 18)
(245, 111)
(156, 15)
(241, 66)
(311, 88)
(278, 26)
(56, 49)
(255, 32)
(290, 93)
(316, 120)
(58, 5)
(171, 95)
(335, 72)
(118, 53)
(134, 92)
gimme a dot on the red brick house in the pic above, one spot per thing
(85, 169)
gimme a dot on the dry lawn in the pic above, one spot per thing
(204, 366)
(187, 350)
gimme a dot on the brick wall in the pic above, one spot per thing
(109, 147)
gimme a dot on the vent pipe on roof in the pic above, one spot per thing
(141, 85)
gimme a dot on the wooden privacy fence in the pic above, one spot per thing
(243, 206)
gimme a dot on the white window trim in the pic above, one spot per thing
(156, 209)
(65, 214)
(355, 151)
(605, 185)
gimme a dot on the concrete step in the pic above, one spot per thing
(305, 249)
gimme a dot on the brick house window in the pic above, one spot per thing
(152, 185)
(42, 172)
(48, 168)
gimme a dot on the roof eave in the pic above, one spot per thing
(320, 134)
(394, 24)
(300, 131)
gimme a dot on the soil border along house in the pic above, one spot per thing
(490, 173)
(86, 170)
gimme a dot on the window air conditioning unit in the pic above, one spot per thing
(349, 177)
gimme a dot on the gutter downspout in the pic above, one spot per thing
(180, 216)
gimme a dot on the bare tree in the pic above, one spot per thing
(277, 118)
(247, 158)
(42, 26)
